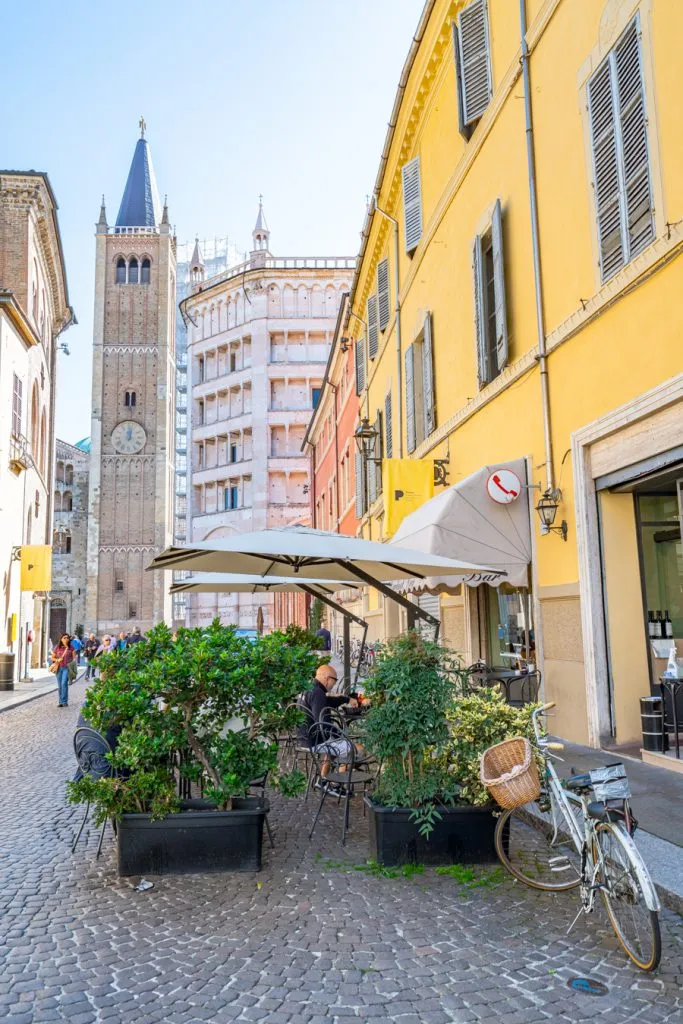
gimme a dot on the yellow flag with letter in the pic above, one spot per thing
(36, 567)
(407, 484)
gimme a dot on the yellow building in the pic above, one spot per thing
(517, 298)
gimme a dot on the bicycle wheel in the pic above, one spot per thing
(635, 925)
(534, 844)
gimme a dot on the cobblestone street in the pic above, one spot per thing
(308, 939)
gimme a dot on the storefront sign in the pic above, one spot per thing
(407, 485)
(503, 486)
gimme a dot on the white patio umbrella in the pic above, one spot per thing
(229, 583)
(301, 551)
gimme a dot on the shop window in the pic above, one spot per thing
(659, 520)
(489, 296)
(510, 625)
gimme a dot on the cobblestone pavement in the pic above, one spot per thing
(305, 940)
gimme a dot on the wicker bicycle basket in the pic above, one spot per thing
(509, 772)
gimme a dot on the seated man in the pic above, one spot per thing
(315, 703)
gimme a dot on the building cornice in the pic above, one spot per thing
(19, 319)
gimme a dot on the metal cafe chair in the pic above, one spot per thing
(342, 777)
(260, 785)
(91, 750)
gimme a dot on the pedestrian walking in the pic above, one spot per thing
(62, 656)
(136, 636)
(90, 650)
(123, 641)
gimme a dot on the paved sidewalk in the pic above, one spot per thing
(42, 682)
(309, 940)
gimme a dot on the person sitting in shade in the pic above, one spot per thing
(315, 703)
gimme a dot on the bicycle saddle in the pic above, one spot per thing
(605, 811)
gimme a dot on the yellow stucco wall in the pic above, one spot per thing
(607, 343)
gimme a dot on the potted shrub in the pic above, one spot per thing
(203, 709)
(428, 805)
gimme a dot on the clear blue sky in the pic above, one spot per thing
(290, 99)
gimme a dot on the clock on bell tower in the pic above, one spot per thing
(133, 402)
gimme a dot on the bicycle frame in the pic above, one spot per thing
(586, 841)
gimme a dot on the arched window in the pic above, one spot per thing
(133, 271)
(66, 543)
(69, 474)
(67, 502)
(58, 501)
(129, 399)
(121, 271)
(146, 267)
(60, 472)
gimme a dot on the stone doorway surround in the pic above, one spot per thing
(616, 440)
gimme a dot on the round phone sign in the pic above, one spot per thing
(503, 486)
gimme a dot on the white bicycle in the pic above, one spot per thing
(578, 833)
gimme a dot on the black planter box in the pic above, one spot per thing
(196, 840)
(463, 835)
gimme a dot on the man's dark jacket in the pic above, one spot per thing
(315, 703)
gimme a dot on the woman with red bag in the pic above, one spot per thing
(62, 656)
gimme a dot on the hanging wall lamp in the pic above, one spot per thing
(547, 507)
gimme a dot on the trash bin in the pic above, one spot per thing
(652, 723)
(7, 671)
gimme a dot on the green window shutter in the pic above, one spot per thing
(428, 397)
(483, 370)
(412, 203)
(383, 292)
(360, 486)
(360, 365)
(464, 129)
(379, 453)
(633, 132)
(474, 60)
(388, 428)
(373, 328)
(621, 165)
(606, 170)
(499, 287)
(410, 398)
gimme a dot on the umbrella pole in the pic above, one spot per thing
(414, 611)
(348, 618)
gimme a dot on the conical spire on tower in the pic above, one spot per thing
(140, 206)
(196, 264)
(260, 234)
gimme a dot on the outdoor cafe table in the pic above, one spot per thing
(507, 677)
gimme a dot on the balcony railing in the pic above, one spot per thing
(19, 453)
(279, 263)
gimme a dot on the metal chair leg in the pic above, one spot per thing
(270, 832)
(99, 845)
(85, 818)
(317, 815)
(346, 814)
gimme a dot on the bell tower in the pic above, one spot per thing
(133, 407)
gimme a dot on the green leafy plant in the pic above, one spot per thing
(476, 721)
(411, 688)
(208, 701)
(471, 878)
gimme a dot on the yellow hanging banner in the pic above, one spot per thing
(407, 484)
(36, 567)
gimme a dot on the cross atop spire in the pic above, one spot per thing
(140, 206)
